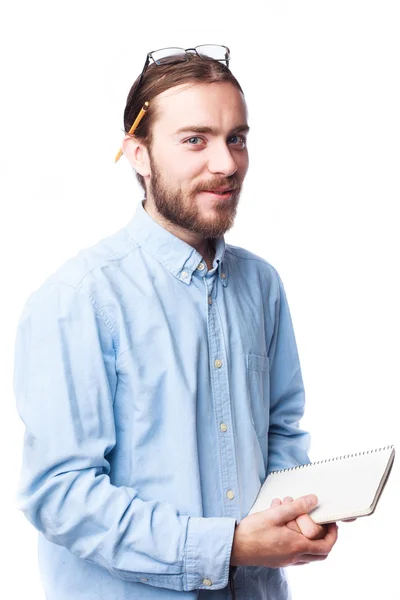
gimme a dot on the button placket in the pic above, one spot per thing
(226, 454)
(209, 285)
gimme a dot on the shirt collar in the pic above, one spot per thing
(174, 254)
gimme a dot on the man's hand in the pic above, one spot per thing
(265, 539)
(304, 523)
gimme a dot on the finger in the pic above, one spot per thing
(310, 529)
(305, 525)
(332, 533)
(307, 558)
(293, 526)
(324, 546)
(276, 502)
(290, 510)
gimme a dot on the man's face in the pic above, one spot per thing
(199, 157)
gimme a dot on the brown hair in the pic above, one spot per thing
(158, 79)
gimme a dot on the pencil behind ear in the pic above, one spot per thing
(135, 125)
(137, 154)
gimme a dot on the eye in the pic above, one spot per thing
(237, 140)
(194, 141)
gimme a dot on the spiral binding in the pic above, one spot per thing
(327, 460)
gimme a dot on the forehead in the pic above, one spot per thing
(219, 105)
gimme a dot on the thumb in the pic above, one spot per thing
(291, 510)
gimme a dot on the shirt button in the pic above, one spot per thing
(200, 267)
(143, 579)
(184, 275)
(209, 300)
(230, 494)
(218, 363)
(223, 427)
(207, 581)
(223, 275)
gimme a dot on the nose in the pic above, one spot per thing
(221, 161)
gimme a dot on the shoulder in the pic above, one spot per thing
(93, 263)
(85, 286)
(91, 273)
(243, 260)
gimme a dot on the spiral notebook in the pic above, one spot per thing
(346, 486)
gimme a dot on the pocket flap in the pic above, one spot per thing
(257, 362)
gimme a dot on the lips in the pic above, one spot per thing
(220, 191)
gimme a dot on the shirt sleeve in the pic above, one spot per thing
(65, 381)
(287, 443)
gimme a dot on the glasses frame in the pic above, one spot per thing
(184, 58)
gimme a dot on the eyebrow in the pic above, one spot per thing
(212, 130)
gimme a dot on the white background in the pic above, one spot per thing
(321, 80)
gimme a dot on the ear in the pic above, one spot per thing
(137, 154)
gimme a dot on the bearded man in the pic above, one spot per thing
(158, 377)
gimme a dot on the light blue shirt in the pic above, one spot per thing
(156, 395)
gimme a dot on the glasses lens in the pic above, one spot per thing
(213, 52)
(167, 56)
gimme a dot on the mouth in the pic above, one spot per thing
(225, 193)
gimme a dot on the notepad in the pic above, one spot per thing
(346, 486)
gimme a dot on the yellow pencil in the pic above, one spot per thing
(134, 126)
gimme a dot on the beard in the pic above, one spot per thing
(180, 207)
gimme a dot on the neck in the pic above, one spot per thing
(203, 246)
(210, 254)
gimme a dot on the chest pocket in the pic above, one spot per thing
(258, 392)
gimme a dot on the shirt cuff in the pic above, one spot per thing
(208, 553)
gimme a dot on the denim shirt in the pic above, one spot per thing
(156, 395)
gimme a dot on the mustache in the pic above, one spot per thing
(215, 184)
